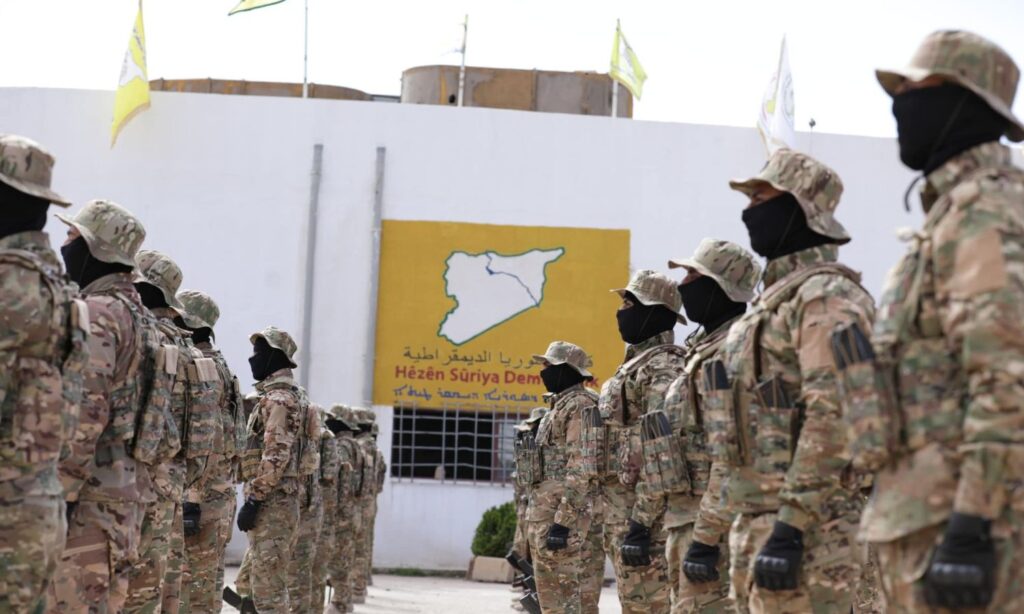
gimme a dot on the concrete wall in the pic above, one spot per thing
(222, 184)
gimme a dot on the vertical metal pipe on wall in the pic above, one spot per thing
(307, 305)
(370, 354)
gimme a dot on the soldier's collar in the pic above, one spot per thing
(34, 241)
(666, 338)
(281, 376)
(114, 281)
(778, 268)
(947, 176)
(570, 390)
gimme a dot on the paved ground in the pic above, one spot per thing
(403, 595)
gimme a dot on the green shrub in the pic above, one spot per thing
(496, 531)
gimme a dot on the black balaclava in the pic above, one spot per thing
(641, 322)
(707, 304)
(21, 212)
(557, 378)
(83, 268)
(266, 360)
(202, 334)
(152, 297)
(778, 227)
(937, 123)
(337, 426)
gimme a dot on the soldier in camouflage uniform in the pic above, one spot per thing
(329, 474)
(568, 557)
(364, 506)
(213, 517)
(43, 337)
(528, 475)
(350, 475)
(720, 281)
(380, 473)
(311, 516)
(774, 415)
(634, 534)
(158, 576)
(270, 469)
(947, 513)
(104, 484)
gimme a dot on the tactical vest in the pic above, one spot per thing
(330, 458)
(253, 455)
(692, 428)
(355, 452)
(59, 360)
(529, 470)
(195, 397)
(761, 408)
(232, 410)
(369, 478)
(554, 451)
(622, 455)
(309, 442)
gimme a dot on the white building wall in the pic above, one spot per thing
(222, 185)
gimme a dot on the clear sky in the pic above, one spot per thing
(708, 61)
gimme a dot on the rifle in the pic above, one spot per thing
(526, 581)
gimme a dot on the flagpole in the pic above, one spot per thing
(462, 65)
(305, 55)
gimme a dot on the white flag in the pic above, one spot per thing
(776, 121)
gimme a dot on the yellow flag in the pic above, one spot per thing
(132, 95)
(626, 68)
(248, 5)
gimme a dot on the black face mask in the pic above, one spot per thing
(707, 304)
(152, 297)
(557, 378)
(937, 123)
(337, 426)
(266, 360)
(641, 322)
(21, 212)
(778, 227)
(82, 268)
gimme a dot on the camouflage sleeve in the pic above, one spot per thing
(820, 455)
(79, 456)
(713, 518)
(281, 417)
(20, 305)
(979, 260)
(576, 488)
(653, 387)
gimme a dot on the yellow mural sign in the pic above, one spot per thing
(463, 307)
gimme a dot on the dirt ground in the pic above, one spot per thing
(404, 595)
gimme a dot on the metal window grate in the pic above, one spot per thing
(463, 443)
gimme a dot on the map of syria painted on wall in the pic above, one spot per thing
(463, 307)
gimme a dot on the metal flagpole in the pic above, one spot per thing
(305, 55)
(462, 65)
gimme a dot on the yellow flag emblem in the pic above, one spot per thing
(132, 95)
(248, 5)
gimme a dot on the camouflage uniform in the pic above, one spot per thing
(638, 386)
(270, 469)
(568, 580)
(99, 470)
(158, 576)
(779, 429)
(327, 545)
(311, 514)
(43, 337)
(205, 550)
(948, 347)
(346, 516)
(527, 476)
(738, 274)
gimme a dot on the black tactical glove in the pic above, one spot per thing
(558, 537)
(636, 548)
(778, 564)
(247, 515)
(962, 571)
(69, 511)
(701, 562)
(191, 513)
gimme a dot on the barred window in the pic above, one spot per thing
(463, 443)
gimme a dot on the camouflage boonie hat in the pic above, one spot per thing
(970, 61)
(343, 414)
(279, 340)
(198, 309)
(735, 270)
(816, 187)
(536, 414)
(652, 288)
(28, 168)
(565, 353)
(112, 233)
(363, 416)
(158, 270)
